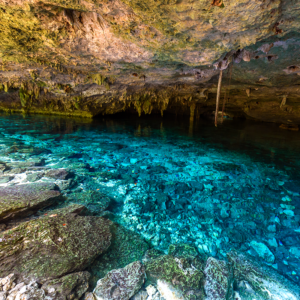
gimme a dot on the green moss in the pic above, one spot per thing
(22, 33)
(167, 268)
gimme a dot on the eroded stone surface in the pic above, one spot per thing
(217, 280)
(23, 200)
(50, 247)
(86, 58)
(255, 281)
(121, 283)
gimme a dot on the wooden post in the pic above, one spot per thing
(218, 98)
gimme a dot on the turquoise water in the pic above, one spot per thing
(232, 187)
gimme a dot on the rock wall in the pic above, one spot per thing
(84, 58)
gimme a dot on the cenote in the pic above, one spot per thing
(175, 192)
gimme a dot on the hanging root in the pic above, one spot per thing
(228, 87)
(218, 98)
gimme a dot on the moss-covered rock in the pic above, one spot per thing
(121, 283)
(183, 251)
(174, 271)
(50, 247)
(23, 200)
(126, 247)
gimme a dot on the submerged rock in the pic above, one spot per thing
(94, 201)
(121, 283)
(61, 174)
(126, 247)
(262, 251)
(23, 200)
(261, 283)
(49, 247)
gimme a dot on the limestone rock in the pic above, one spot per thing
(168, 291)
(121, 283)
(126, 247)
(89, 296)
(23, 200)
(47, 248)
(177, 272)
(262, 251)
(61, 174)
(260, 282)
(71, 286)
(218, 282)
(141, 295)
(95, 202)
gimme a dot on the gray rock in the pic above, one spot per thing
(71, 286)
(260, 283)
(262, 251)
(218, 283)
(50, 247)
(61, 174)
(23, 200)
(121, 283)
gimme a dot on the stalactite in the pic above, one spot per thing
(218, 98)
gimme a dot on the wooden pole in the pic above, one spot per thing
(218, 98)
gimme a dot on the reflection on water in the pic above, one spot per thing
(175, 180)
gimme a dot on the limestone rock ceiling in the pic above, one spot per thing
(115, 50)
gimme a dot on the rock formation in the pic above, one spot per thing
(85, 58)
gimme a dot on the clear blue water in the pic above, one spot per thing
(232, 187)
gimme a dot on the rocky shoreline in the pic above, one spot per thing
(53, 251)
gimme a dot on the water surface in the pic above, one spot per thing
(232, 187)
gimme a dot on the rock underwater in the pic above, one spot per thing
(23, 200)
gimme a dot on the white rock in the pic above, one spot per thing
(2, 295)
(151, 290)
(168, 292)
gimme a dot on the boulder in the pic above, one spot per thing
(52, 246)
(121, 283)
(218, 280)
(23, 200)
(255, 281)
